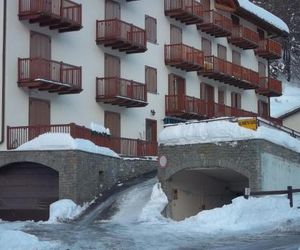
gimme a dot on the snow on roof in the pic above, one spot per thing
(264, 14)
(289, 101)
(223, 131)
(62, 141)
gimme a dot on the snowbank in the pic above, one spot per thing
(63, 141)
(289, 100)
(65, 209)
(264, 14)
(99, 128)
(220, 131)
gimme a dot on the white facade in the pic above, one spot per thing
(79, 48)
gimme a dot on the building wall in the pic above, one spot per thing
(1, 56)
(292, 121)
(79, 48)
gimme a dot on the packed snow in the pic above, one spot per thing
(99, 128)
(289, 101)
(63, 141)
(222, 131)
(264, 14)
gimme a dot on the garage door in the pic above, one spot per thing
(26, 191)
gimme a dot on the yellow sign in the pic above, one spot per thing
(249, 123)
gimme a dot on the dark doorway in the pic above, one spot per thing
(151, 130)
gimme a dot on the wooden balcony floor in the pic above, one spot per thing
(121, 45)
(184, 17)
(122, 102)
(268, 92)
(186, 66)
(213, 30)
(243, 43)
(267, 55)
(185, 115)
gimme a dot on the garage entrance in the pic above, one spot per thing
(26, 191)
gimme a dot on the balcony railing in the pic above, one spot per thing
(188, 107)
(16, 136)
(184, 57)
(120, 35)
(244, 37)
(186, 11)
(122, 92)
(215, 24)
(269, 87)
(49, 75)
(269, 49)
(64, 15)
(229, 73)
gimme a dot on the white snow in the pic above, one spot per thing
(222, 131)
(289, 100)
(99, 128)
(64, 141)
(65, 209)
(264, 14)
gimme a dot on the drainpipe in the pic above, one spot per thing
(3, 71)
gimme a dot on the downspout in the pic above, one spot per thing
(3, 71)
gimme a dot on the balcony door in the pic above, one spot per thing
(112, 73)
(177, 91)
(222, 52)
(175, 34)
(151, 130)
(208, 95)
(112, 10)
(206, 4)
(262, 71)
(263, 109)
(112, 121)
(206, 47)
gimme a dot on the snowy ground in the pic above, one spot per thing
(257, 223)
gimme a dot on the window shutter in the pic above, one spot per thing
(233, 102)
(151, 29)
(239, 100)
(151, 79)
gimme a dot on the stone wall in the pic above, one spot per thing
(82, 175)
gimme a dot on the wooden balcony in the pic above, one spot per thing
(185, 11)
(187, 107)
(49, 75)
(229, 73)
(16, 136)
(269, 87)
(64, 15)
(215, 24)
(184, 57)
(269, 49)
(120, 35)
(244, 37)
(122, 92)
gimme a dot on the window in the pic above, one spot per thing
(206, 47)
(175, 34)
(176, 85)
(221, 96)
(222, 52)
(207, 92)
(151, 29)
(263, 109)
(236, 100)
(112, 10)
(236, 57)
(151, 130)
(151, 79)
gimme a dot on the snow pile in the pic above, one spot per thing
(289, 101)
(264, 14)
(158, 201)
(99, 128)
(63, 141)
(65, 209)
(17, 240)
(220, 131)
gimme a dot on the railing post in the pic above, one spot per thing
(60, 72)
(290, 195)
(8, 137)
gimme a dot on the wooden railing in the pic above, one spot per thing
(189, 6)
(17, 136)
(116, 29)
(39, 69)
(183, 53)
(237, 72)
(110, 87)
(270, 84)
(241, 32)
(269, 46)
(217, 19)
(65, 9)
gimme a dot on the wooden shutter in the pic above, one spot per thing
(261, 69)
(206, 4)
(40, 45)
(151, 29)
(236, 100)
(206, 47)
(263, 109)
(175, 34)
(236, 57)
(151, 79)
(176, 85)
(112, 10)
(221, 97)
(222, 52)
(112, 67)
(39, 112)
(113, 122)
(151, 130)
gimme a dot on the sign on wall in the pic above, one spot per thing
(248, 123)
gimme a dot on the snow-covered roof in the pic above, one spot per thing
(289, 101)
(224, 131)
(264, 15)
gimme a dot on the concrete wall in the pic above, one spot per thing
(221, 171)
(79, 48)
(82, 175)
(293, 121)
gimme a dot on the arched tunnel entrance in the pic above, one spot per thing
(27, 190)
(194, 190)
